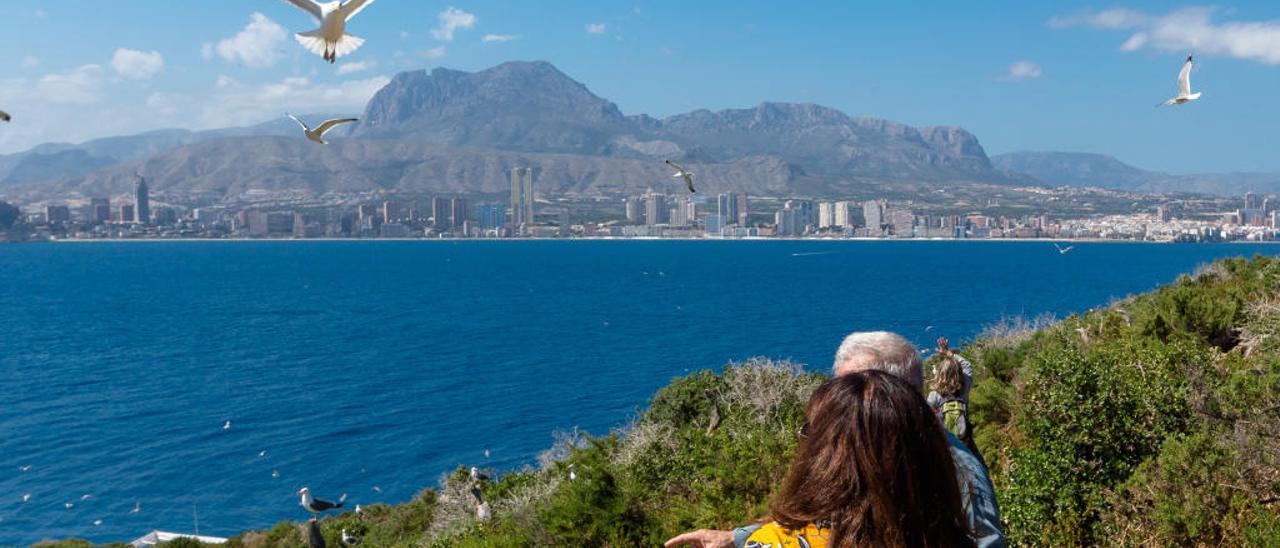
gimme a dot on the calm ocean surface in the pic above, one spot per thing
(362, 364)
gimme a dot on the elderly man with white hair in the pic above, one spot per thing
(891, 353)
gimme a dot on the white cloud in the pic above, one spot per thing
(433, 53)
(137, 64)
(236, 104)
(498, 38)
(257, 46)
(1023, 70)
(1188, 30)
(451, 20)
(82, 86)
(596, 28)
(354, 67)
(30, 62)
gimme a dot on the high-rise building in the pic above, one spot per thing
(743, 214)
(873, 214)
(785, 220)
(805, 215)
(679, 214)
(655, 208)
(142, 200)
(369, 215)
(521, 196)
(390, 212)
(844, 214)
(564, 222)
(1251, 201)
(440, 212)
(57, 214)
(902, 221)
(126, 213)
(1162, 213)
(491, 216)
(458, 213)
(262, 223)
(100, 210)
(635, 209)
(826, 214)
(727, 207)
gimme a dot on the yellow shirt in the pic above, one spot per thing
(772, 535)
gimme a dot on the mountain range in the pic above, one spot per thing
(1100, 170)
(447, 131)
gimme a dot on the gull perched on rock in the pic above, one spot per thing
(681, 173)
(315, 505)
(1184, 87)
(331, 40)
(317, 134)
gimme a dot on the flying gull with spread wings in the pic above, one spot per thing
(317, 134)
(682, 174)
(331, 40)
(1184, 87)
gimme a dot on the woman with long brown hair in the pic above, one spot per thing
(873, 469)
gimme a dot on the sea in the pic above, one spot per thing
(198, 385)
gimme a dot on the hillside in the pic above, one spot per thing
(529, 114)
(1099, 170)
(1154, 421)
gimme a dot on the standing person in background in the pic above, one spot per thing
(952, 381)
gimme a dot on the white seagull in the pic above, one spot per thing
(331, 40)
(317, 134)
(1063, 250)
(226, 425)
(348, 539)
(1184, 87)
(681, 173)
(315, 505)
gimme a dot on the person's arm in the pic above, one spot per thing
(706, 538)
(967, 368)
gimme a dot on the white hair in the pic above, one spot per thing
(882, 351)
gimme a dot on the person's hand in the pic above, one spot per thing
(703, 538)
(943, 349)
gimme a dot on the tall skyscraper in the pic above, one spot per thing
(57, 214)
(100, 210)
(1251, 201)
(521, 196)
(743, 213)
(635, 209)
(142, 201)
(826, 214)
(126, 214)
(458, 213)
(440, 212)
(873, 213)
(491, 216)
(390, 212)
(655, 208)
(679, 214)
(727, 207)
(844, 214)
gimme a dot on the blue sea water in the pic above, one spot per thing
(363, 364)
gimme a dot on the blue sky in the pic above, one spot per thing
(1021, 75)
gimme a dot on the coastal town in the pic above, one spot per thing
(652, 215)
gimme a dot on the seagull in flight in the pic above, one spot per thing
(331, 40)
(1063, 250)
(4, 116)
(317, 134)
(681, 173)
(315, 505)
(1184, 87)
(226, 425)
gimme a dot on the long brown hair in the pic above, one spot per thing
(950, 378)
(873, 466)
